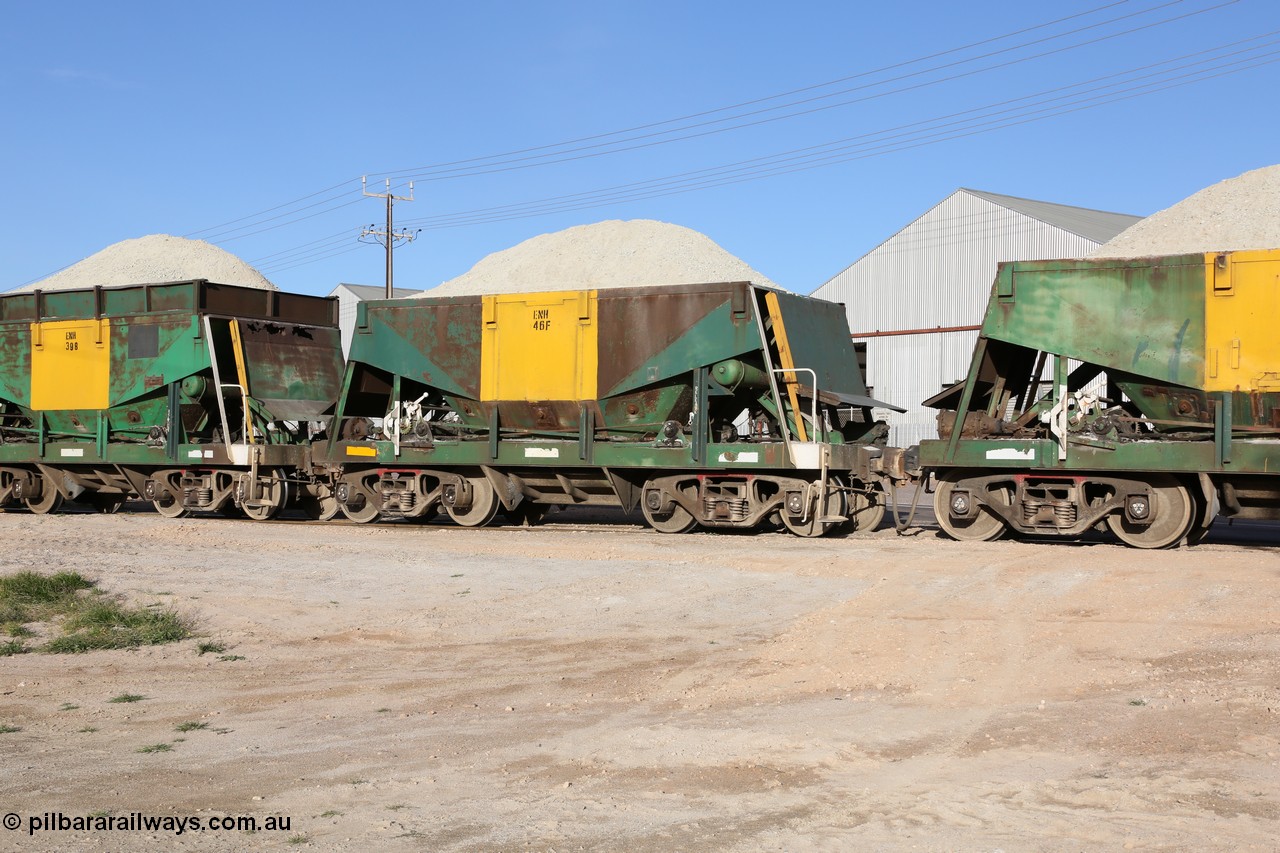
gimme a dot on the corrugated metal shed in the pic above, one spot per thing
(917, 298)
(351, 294)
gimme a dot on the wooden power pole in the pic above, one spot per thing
(389, 236)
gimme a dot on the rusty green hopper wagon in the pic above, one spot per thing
(194, 395)
(1139, 395)
(722, 405)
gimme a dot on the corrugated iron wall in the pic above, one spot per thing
(935, 273)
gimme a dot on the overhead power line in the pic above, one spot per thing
(1179, 71)
(334, 196)
(640, 143)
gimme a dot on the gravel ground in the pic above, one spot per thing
(588, 685)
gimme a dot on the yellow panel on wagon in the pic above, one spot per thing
(70, 364)
(539, 346)
(1242, 351)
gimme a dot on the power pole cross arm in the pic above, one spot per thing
(389, 236)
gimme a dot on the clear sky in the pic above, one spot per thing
(797, 136)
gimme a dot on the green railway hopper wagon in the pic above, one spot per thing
(194, 395)
(721, 405)
(1139, 396)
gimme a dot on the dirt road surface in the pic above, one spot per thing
(589, 686)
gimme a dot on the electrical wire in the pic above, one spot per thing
(504, 162)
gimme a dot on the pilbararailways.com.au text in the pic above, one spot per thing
(139, 822)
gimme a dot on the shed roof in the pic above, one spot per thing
(371, 291)
(1097, 225)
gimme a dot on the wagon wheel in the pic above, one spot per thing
(484, 504)
(812, 526)
(676, 519)
(361, 510)
(170, 503)
(50, 500)
(323, 506)
(984, 526)
(1171, 508)
(275, 494)
(1199, 527)
(866, 510)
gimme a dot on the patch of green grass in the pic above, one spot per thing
(299, 839)
(83, 617)
(111, 625)
(156, 747)
(86, 730)
(34, 588)
(8, 730)
(127, 697)
(67, 706)
(1138, 702)
(210, 647)
(330, 813)
(190, 726)
(12, 647)
(231, 657)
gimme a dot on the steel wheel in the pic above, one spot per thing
(484, 505)
(169, 507)
(985, 525)
(1172, 509)
(169, 504)
(50, 500)
(675, 520)
(832, 504)
(362, 512)
(866, 510)
(275, 494)
(320, 507)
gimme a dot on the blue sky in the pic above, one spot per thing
(134, 118)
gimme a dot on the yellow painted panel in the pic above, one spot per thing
(1242, 304)
(539, 346)
(70, 364)
(357, 450)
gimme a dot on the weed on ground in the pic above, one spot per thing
(76, 616)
